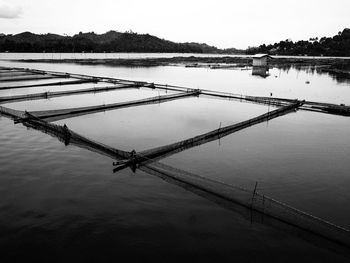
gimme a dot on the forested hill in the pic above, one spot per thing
(111, 41)
(338, 45)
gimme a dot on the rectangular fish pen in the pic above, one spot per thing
(269, 210)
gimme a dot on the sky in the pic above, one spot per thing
(222, 23)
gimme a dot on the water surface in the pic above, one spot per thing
(63, 200)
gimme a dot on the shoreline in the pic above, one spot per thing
(194, 61)
(337, 67)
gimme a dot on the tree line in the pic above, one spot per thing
(111, 41)
(338, 45)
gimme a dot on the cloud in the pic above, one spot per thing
(9, 12)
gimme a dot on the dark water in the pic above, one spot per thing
(62, 203)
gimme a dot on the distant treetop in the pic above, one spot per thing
(338, 45)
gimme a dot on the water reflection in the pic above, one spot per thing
(278, 153)
(338, 73)
(260, 71)
(211, 189)
(339, 76)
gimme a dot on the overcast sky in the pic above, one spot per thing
(223, 23)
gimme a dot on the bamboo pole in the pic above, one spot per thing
(28, 78)
(308, 105)
(59, 83)
(55, 115)
(47, 95)
(161, 152)
(275, 213)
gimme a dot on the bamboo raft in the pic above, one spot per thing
(148, 160)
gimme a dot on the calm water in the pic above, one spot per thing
(87, 55)
(65, 204)
(57, 56)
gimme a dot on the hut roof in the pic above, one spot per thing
(261, 56)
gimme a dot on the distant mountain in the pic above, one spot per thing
(338, 45)
(111, 41)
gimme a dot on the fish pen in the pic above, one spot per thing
(47, 95)
(149, 160)
(167, 150)
(59, 83)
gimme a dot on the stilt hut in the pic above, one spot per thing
(261, 60)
